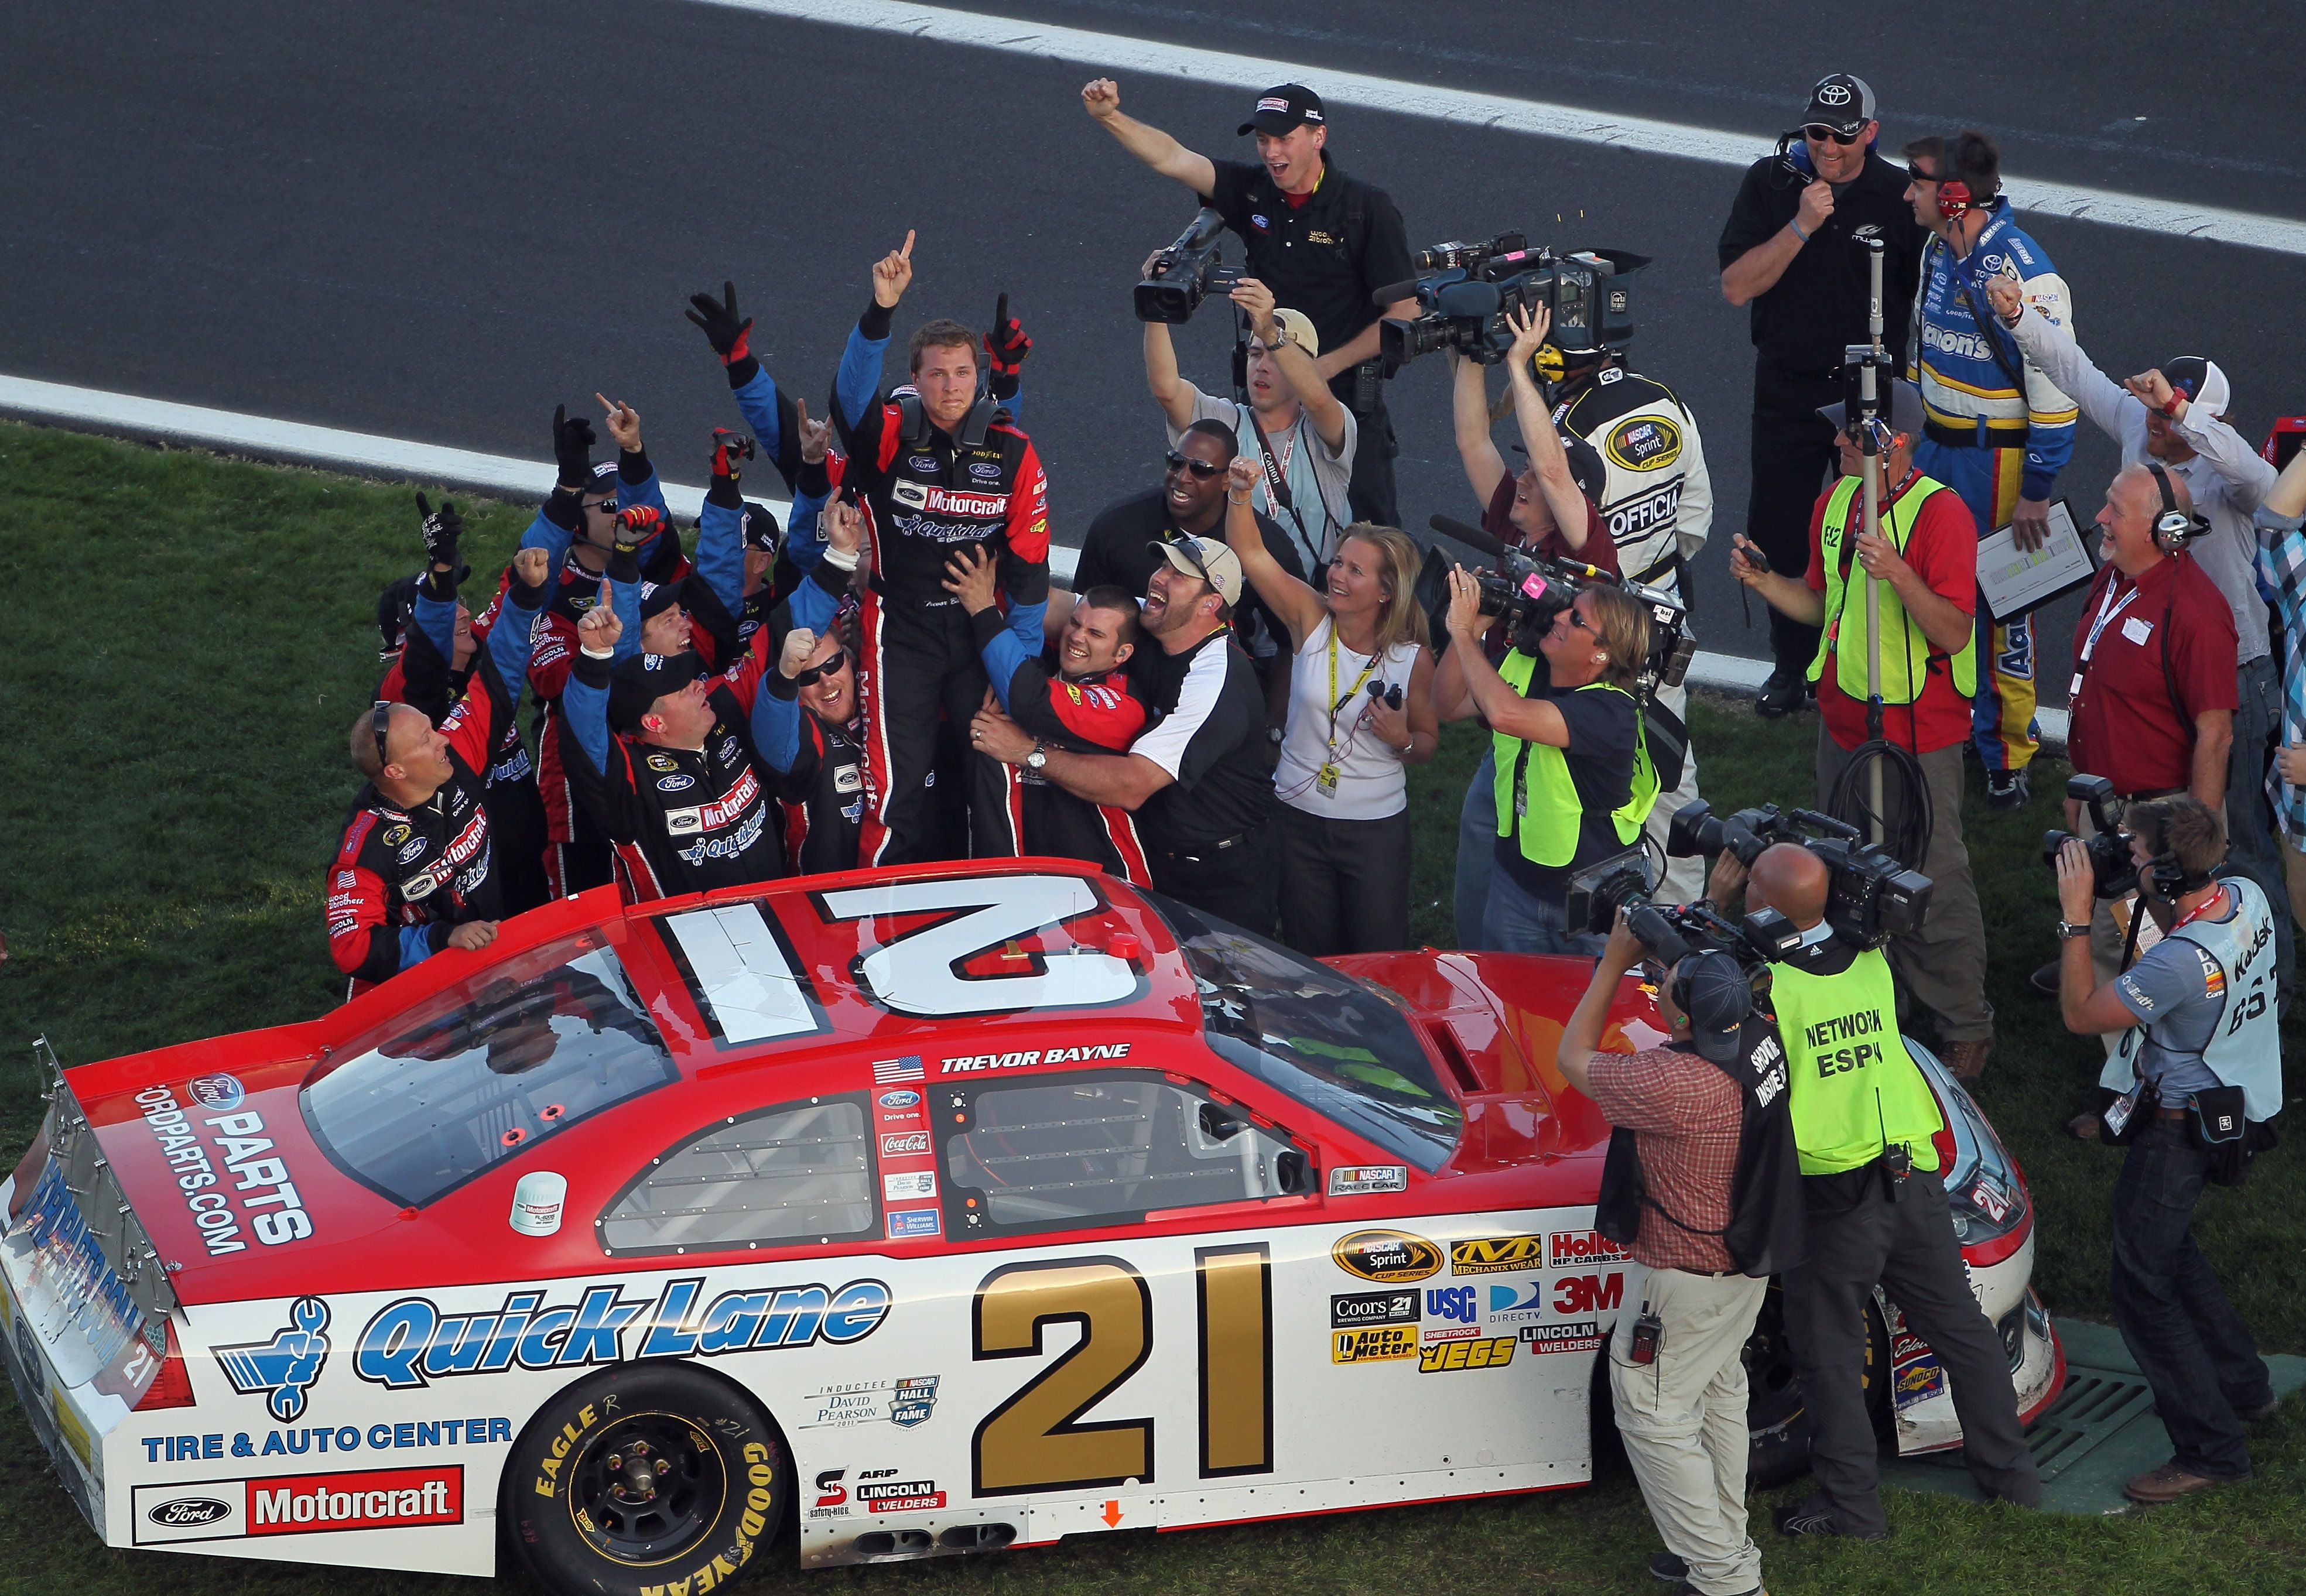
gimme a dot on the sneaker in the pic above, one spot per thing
(1814, 1516)
(2167, 1484)
(1666, 1566)
(2045, 980)
(1784, 693)
(2007, 790)
(2083, 1127)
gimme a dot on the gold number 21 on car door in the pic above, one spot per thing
(1035, 1441)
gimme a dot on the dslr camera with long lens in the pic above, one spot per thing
(1870, 897)
(1186, 272)
(1464, 290)
(1672, 931)
(2114, 874)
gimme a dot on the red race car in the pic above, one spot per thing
(896, 1213)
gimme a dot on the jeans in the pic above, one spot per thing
(1518, 921)
(2250, 848)
(2189, 1343)
(1477, 852)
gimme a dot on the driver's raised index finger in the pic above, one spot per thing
(907, 253)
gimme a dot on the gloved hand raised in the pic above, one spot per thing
(635, 525)
(729, 337)
(443, 528)
(1006, 349)
(727, 448)
(572, 448)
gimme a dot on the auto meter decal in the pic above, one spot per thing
(1386, 1257)
(412, 1343)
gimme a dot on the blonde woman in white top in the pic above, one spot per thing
(1360, 709)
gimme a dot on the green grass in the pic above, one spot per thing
(191, 639)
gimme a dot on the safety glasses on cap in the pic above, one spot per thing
(379, 721)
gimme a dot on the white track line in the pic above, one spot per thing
(364, 454)
(1120, 54)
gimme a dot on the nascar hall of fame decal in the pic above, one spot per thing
(284, 1368)
(1386, 1257)
(411, 1342)
(906, 1403)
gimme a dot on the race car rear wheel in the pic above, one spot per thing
(645, 1477)
(1777, 1419)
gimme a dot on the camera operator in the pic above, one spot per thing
(1711, 1170)
(2201, 1064)
(1548, 508)
(1323, 241)
(1864, 1118)
(2176, 415)
(1926, 566)
(1573, 781)
(1788, 250)
(1305, 438)
(2152, 699)
(1998, 434)
(1657, 507)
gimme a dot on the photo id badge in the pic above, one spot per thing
(2116, 1116)
(1325, 780)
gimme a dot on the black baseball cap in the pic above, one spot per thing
(1585, 467)
(1841, 101)
(657, 597)
(1283, 107)
(1713, 991)
(761, 531)
(638, 680)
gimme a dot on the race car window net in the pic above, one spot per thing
(1117, 1147)
(485, 1070)
(787, 1174)
(1325, 1040)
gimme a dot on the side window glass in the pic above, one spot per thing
(791, 1174)
(1055, 1152)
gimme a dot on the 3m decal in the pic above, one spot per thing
(1386, 1257)
(1496, 1255)
(1588, 1293)
(411, 1342)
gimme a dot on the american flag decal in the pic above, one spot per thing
(889, 1072)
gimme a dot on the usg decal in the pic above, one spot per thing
(411, 1342)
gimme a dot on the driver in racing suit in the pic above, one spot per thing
(939, 469)
(1657, 505)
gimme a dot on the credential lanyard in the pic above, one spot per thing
(2108, 612)
(1337, 704)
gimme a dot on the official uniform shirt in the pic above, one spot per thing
(1943, 549)
(2125, 724)
(1818, 306)
(2178, 989)
(1312, 258)
(1686, 1115)
(1604, 727)
(1211, 740)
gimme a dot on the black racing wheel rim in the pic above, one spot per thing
(647, 1490)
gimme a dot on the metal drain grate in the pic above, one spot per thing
(2095, 1403)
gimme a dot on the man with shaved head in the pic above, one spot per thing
(1865, 1123)
(414, 872)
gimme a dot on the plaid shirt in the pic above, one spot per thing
(1686, 1115)
(2282, 572)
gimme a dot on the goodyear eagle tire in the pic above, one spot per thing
(646, 1479)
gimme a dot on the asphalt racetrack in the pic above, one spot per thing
(435, 221)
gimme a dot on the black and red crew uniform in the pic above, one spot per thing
(929, 495)
(402, 879)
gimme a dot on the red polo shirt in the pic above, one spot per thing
(1943, 549)
(2126, 726)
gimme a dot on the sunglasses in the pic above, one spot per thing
(817, 673)
(1199, 468)
(1577, 620)
(1916, 174)
(379, 723)
(1818, 133)
(607, 507)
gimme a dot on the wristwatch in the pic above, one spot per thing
(1039, 757)
(2068, 930)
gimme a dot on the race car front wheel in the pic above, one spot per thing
(644, 1478)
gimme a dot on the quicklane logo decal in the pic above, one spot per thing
(412, 1343)
(285, 1366)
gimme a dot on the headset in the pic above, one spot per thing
(1954, 198)
(2173, 528)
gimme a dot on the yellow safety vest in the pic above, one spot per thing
(1856, 1090)
(1903, 643)
(1536, 797)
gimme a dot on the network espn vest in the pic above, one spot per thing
(1856, 1090)
(2238, 970)
(1903, 643)
(1536, 796)
(1766, 1234)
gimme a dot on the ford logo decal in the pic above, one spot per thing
(189, 1511)
(900, 1099)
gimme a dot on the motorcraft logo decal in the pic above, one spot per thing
(412, 1343)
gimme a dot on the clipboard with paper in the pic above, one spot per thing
(2012, 581)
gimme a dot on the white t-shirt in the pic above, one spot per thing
(1371, 782)
(1316, 479)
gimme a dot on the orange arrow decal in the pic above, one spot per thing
(1112, 1515)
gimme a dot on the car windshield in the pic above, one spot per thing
(486, 1070)
(1328, 1040)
